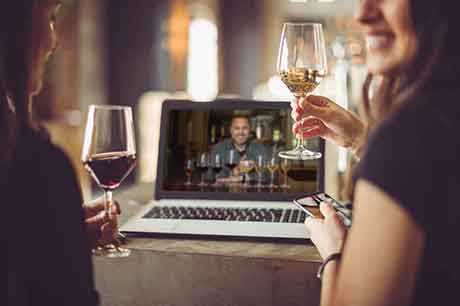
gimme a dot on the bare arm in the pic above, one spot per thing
(381, 256)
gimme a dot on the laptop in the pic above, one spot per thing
(215, 201)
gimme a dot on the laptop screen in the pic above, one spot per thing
(228, 150)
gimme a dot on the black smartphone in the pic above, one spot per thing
(310, 205)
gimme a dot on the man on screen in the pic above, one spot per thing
(243, 147)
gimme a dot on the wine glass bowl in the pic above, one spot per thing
(302, 65)
(109, 155)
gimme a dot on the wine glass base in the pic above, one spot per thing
(300, 155)
(111, 251)
(118, 252)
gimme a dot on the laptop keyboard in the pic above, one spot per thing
(227, 214)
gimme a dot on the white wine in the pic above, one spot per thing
(272, 168)
(301, 80)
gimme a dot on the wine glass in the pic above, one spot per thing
(203, 164)
(302, 64)
(272, 167)
(231, 162)
(216, 167)
(189, 167)
(109, 154)
(285, 167)
(246, 166)
(260, 166)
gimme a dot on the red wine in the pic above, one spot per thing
(231, 166)
(301, 174)
(216, 169)
(110, 169)
(202, 169)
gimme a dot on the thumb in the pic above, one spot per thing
(326, 209)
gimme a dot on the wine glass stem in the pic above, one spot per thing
(108, 207)
(300, 143)
(272, 178)
(108, 202)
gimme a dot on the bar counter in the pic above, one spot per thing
(200, 272)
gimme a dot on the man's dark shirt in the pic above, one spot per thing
(253, 150)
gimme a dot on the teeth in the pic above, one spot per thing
(375, 42)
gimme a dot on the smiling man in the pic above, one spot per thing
(243, 146)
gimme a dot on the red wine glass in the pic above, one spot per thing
(109, 155)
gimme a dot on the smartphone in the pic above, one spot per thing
(310, 205)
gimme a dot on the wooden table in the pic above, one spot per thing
(185, 272)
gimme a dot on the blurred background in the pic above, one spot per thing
(141, 52)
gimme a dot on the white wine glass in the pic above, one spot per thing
(109, 155)
(302, 64)
(260, 167)
(273, 167)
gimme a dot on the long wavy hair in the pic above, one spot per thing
(15, 72)
(434, 66)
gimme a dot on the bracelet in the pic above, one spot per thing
(333, 256)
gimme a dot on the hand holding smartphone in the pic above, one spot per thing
(310, 205)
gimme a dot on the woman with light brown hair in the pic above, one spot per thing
(402, 248)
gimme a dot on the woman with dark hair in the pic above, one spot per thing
(401, 249)
(48, 238)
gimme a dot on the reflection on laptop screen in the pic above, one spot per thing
(229, 150)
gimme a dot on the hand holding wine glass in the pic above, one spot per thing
(109, 154)
(302, 64)
(319, 116)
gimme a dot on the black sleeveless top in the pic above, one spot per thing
(48, 259)
(415, 158)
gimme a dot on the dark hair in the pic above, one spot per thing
(15, 69)
(434, 67)
(239, 117)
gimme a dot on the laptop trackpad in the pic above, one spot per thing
(145, 225)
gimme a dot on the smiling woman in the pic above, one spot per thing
(389, 33)
(405, 186)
